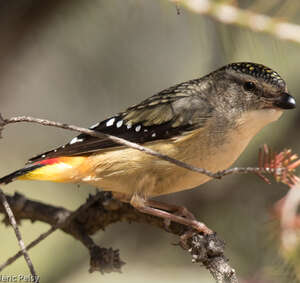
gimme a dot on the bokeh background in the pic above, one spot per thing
(80, 61)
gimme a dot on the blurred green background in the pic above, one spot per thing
(80, 61)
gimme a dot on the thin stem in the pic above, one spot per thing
(13, 223)
(229, 14)
(59, 225)
(217, 175)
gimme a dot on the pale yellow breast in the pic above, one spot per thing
(128, 171)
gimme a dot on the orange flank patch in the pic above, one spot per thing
(61, 169)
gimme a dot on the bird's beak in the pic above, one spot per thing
(285, 101)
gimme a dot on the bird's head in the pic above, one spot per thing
(252, 86)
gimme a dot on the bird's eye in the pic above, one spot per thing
(249, 86)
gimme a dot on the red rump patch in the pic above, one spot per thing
(48, 161)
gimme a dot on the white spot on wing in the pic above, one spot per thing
(110, 122)
(153, 135)
(138, 128)
(119, 123)
(129, 125)
(94, 126)
(75, 140)
(44, 155)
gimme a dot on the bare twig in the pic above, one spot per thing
(12, 259)
(61, 218)
(113, 138)
(13, 223)
(219, 267)
(229, 14)
(217, 175)
(280, 166)
(97, 213)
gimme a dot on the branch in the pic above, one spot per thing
(98, 134)
(275, 171)
(101, 211)
(13, 223)
(229, 14)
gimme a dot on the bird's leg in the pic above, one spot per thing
(144, 206)
(172, 208)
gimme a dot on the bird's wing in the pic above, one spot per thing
(165, 115)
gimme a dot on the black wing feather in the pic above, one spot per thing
(161, 116)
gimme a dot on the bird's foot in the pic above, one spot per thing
(169, 213)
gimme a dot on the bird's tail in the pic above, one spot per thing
(21, 172)
(62, 169)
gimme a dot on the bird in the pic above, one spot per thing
(206, 122)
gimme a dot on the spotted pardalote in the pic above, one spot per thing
(206, 122)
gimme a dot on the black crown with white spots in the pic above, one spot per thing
(258, 71)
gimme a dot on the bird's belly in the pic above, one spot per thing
(159, 177)
(135, 172)
(180, 179)
(129, 171)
